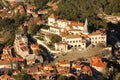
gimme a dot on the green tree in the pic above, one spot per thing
(33, 27)
(108, 9)
(23, 76)
(45, 27)
(61, 77)
(19, 19)
(117, 76)
(78, 10)
(55, 38)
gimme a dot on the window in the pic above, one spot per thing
(73, 41)
(75, 45)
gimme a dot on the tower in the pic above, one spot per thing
(86, 26)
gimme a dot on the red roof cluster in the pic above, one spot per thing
(97, 61)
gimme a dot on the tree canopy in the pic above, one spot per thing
(79, 10)
(33, 27)
(61, 77)
(39, 3)
(24, 76)
(10, 25)
(55, 38)
(117, 76)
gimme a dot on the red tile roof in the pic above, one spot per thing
(97, 61)
(6, 77)
(7, 48)
(29, 6)
(48, 67)
(77, 24)
(35, 46)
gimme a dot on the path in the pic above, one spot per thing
(43, 44)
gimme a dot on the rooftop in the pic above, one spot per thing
(7, 48)
(98, 32)
(77, 24)
(6, 77)
(97, 61)
(35, 46)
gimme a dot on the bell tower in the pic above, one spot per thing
(86, 27)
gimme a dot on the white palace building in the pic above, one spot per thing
(74, 34)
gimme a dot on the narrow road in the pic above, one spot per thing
(41, 43)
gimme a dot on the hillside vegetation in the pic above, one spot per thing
(78, 10)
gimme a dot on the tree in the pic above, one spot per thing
(19, 19)
(55, 38)
(117, 76)
(24, 76)
(108, 10)
(45, 27)
(33, 27)
(78, 10)
(61, 77)
(40, 3)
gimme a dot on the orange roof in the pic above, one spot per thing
(5, 62)
(98, 32)
(29, 6)
(63, 20)
(35, 46)
(47, 72)
(7, 48)
(43, 11)
(32, 70)
(20, 7)
(5, 76)
(17, 71)
(49, 67)
(13, 2)
(97, 61)
(77, 24)
(15, 59)
(63, 62)
(40, 67)
(77, 65)
(69, 36)
(38, 21)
